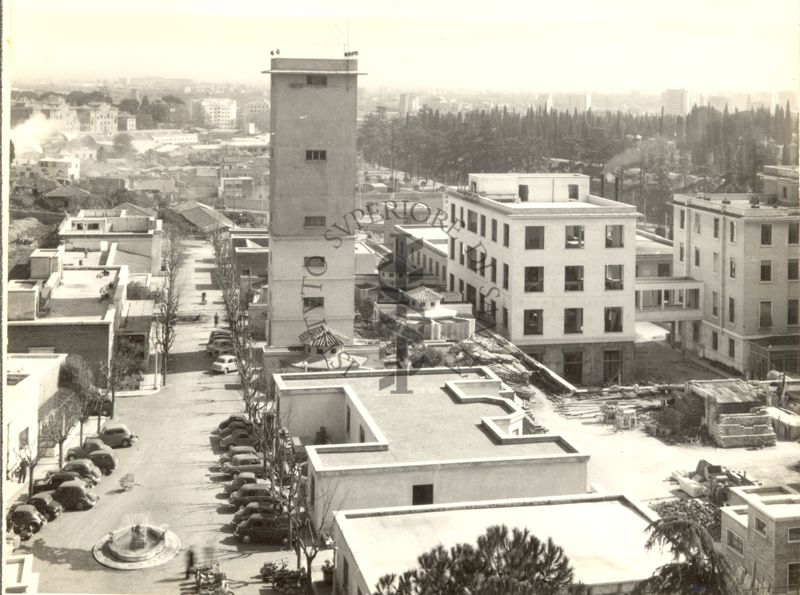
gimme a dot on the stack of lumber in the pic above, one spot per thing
(589, 406)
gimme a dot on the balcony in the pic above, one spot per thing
(667, 299)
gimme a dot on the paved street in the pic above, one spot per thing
(177, 485)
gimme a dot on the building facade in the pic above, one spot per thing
(100, 118)
(312, 196)
(746, 254)
(217, 112)
(678, 102)
(552, 267)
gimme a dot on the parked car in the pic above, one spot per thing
(24, 516)
(252, 493)
(102, 406)
(105, 460)
(239, 438)
(218, 333)
(240, 480)
(268, 508)
(225, 363)
(55, 478)
(262, 527)
(237, 425)
(236, 450)
(84, 467)
(117, 434)
(47, 506)
(219, 344)
(254, 463)
(90, 445)
(74, 495)
(230, 419)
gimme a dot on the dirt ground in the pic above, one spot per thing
(657, 362)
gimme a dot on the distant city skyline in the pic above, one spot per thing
(576, 46)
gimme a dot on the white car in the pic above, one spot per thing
(225, 364)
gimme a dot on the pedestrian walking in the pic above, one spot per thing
(216, 319)
(189, 561)
(23, 470)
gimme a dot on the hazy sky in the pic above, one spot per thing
(592, 45)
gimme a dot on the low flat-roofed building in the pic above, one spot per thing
(425, 248)
(133, 233)
(250, 250)
(61, 309)
(653, 255)
(761, 537)
(433, 435)
(602, 535)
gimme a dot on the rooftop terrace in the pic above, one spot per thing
(442, 416)
(603, 536)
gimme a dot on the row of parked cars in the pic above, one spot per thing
(69, 488)
(220, 347)
(259, 514)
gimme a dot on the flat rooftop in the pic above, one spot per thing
(78, 295)
(603, 536)
(427, 423)
(646, 246)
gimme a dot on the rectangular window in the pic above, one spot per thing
(793, 575)
(316, 80)
(483, 226)
(534, 237)
(472, 295)
(716, 228)
(573, 321)
(347, 419)
(461, 288)
(472, 221)
(505, 317)
(345, 575)
(697, 223)
(460, 252)
(765, 314)
(494, 230)
(613, 320)
(316, 155)
(766, 270)
(682, 218)
(731, 310)
(461, 214)
(793, 534)
(533, 322)
(573, 236)
(452, 248)
(714, 340)
(505, 276)
(573, 278)
(760, 526)
(696, 332)
(573, 191)
(715, 304)
(793, 269)
(534, 279)
(506, 235)
(452, 212)
(697, 257)
(310, 303)
(732, 268)
(493, 273)
(794, 233)
(791, 312)
(735, 542)
(615, 236)
(715, 262)
(766, 234)
(573, 366)
(422, 494)
(680, 252)
(732, 232)
(664, 269)
(314, 221)
(731, 348)
(614, 274)
(452, 282)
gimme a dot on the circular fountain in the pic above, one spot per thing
(137, 546)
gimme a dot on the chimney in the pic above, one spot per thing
(616, 188)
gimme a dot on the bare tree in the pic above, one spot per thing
(31, 454)
(78, 376)
(125, 360)
(169, 301)
(58, 425)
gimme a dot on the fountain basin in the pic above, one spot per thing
(136, 546)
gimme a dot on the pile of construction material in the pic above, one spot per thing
(616, 405)
(485, 351)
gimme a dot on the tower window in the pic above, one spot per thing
(316, 155)
(316, 80)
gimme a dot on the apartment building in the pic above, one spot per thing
(781, 181)
(424, 249)
(216, 112)
(678, 102)
(126, 122)
(62, 170)
(100, 118)
(761, 537)
(312, 196)
(550, 265)
(746, 253)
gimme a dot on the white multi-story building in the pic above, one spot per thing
(552, 267)
(99, 118)
(218, 112)
(746, 252)
(678, 102)
(63, 170)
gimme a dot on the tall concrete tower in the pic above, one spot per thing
(312, 189)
